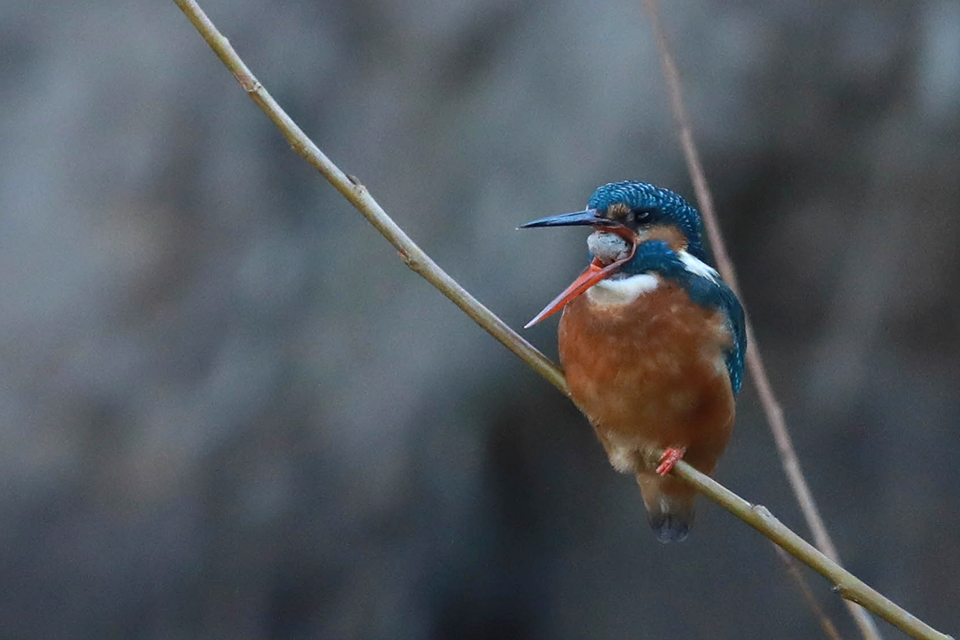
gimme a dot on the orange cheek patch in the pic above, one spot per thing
(669, 234)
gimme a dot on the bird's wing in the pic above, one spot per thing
(705, 288)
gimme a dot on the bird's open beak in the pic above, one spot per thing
(596, 271)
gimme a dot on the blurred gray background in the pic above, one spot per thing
(228, 410)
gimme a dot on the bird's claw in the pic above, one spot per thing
(669, 458)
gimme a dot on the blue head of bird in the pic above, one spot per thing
(625, 215)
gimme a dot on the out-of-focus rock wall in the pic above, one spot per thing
(227, 409)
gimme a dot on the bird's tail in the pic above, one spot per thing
(669, 505)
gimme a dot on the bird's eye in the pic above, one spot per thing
(637, 216)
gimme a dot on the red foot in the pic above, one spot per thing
(669, 458)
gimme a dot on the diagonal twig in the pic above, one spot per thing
(825, 622)
(847, 585)
(357, 194)
(758, 373)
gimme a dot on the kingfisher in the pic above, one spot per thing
(652, 343)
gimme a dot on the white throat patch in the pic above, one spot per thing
(615, 293)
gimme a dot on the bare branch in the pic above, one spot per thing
(357, 194)
(846, 584)
(791, 564)
(756, 516)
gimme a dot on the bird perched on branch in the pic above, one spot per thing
(652, 342)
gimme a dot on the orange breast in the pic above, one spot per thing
(651, 373)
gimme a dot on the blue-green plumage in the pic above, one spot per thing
(661, 206)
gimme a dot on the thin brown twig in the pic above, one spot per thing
(774, 413)
(848, 585)
(825, 622)
(771, 408)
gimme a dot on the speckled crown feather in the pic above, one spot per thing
(665, 207)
